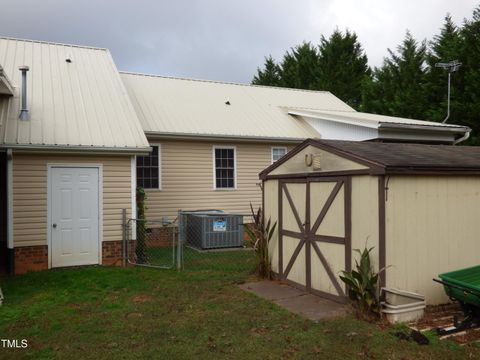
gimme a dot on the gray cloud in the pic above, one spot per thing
(218, 39)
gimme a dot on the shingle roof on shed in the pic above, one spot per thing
(405, 155)
(399, 158)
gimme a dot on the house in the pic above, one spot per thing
(415, 204)
(68, 167)
(77, 136)
(213, 138)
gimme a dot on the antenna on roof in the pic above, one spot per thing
(452, 67)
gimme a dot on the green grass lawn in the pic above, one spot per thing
(224, 260)
(116, 313)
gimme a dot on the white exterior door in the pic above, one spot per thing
(74, 216)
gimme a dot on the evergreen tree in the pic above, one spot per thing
(339, 65)
(407, 84)
(445, 47)
(270, 75)
(299, 68)
(343, 67)
(470, 98)
(399, 86)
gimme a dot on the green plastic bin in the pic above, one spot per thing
(466, 285)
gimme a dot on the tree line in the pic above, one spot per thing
(407, 84)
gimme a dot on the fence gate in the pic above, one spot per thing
(150, 243)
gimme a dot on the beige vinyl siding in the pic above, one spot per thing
(30, 194)
(430, 229)
(328, 162)
(188, 178)
(271, 212)
(365, 217)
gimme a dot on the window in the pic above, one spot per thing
(148, 169)
(224, 158)
(278, 152)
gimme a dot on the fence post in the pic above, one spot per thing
(180, 241)
(124, 237)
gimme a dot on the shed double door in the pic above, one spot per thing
(314, 234)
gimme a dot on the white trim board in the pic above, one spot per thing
(10, 236)
(133, 181)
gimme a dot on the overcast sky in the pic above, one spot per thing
(221, 39)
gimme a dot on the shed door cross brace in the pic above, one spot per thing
(307, 235)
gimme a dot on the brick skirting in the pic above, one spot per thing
(31, 258)
(35, 258)
(162, 237)
(112, 252)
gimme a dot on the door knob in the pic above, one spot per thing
(54, 225)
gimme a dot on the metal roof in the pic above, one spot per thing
(175, 107)
(373, 120)
(6, 87)
(168, 105)
(76, 104)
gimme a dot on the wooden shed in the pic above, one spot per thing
(417, 205)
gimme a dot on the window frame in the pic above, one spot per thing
(277, 147)
(214, 167)
(159, 168)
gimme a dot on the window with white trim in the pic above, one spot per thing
(148, 169)
(278, 152)
(224, 158)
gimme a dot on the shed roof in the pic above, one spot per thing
(398, 157)
(179, 106)
(81, 104)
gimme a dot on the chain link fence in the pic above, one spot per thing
(151, 243)
(207, 240)
(213, 240)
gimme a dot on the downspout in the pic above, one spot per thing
(463, 138)
(10, 248)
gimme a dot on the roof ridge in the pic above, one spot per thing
(219, 82)
(53, 43)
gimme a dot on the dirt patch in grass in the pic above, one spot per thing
(73, 306)
(142, 298)
(133, 315)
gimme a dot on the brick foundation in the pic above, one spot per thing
(31, 258)
(162, 237)
(112, 252)
(35, 258)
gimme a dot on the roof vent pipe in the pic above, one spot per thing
(24, 110)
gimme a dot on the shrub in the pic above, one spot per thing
(141, 225)
(362, 283)
(260, 234)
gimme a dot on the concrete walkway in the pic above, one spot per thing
(299, 302)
